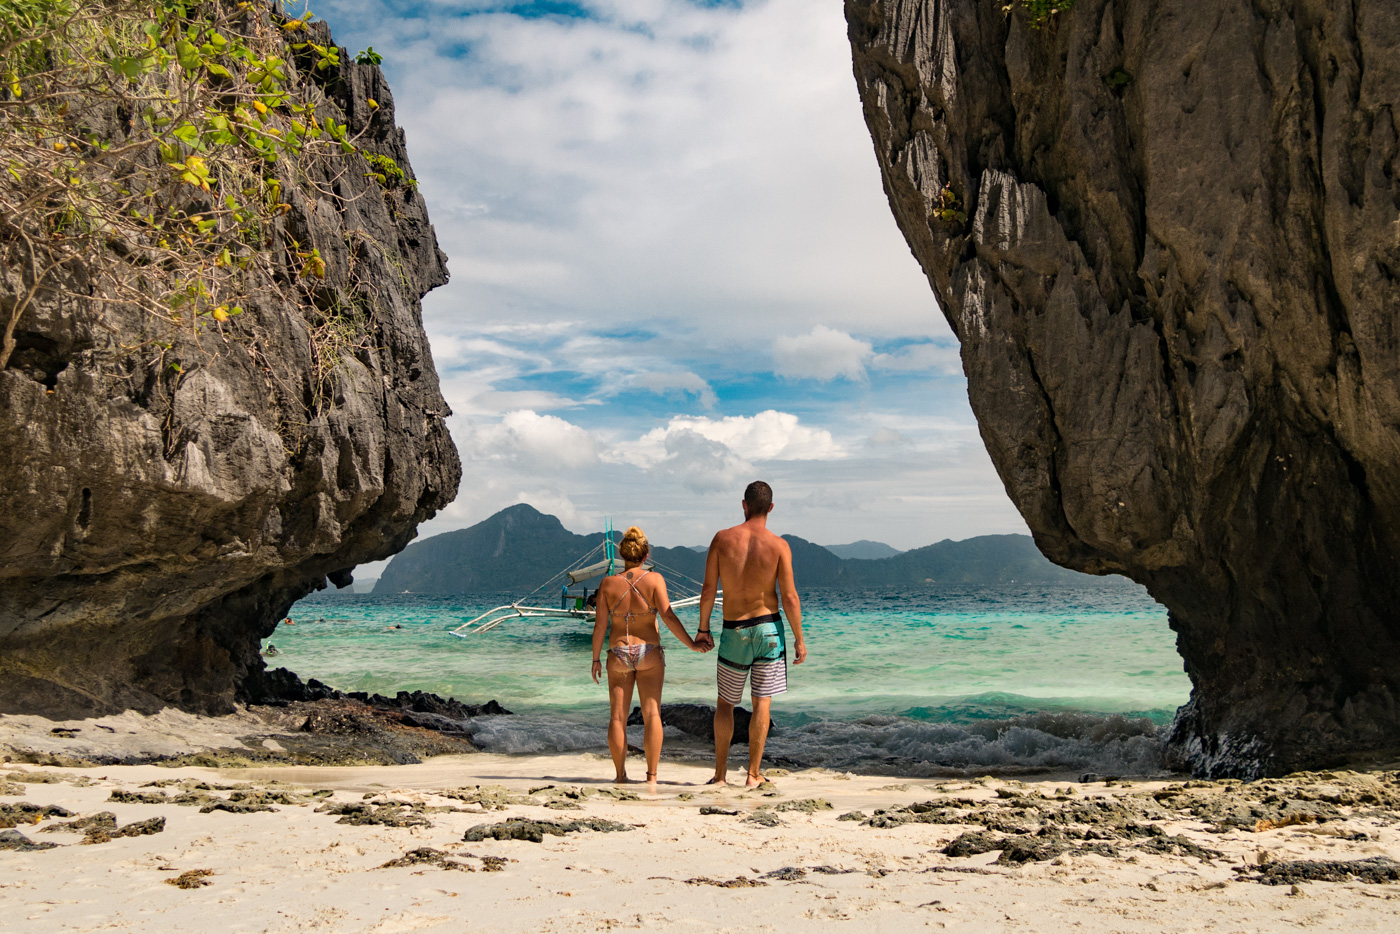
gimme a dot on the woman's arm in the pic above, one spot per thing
(600, 628)
(668, 616)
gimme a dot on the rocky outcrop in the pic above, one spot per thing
(158, 520)
(1165, 235)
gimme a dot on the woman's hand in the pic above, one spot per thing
(597, 670)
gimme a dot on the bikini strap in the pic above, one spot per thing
(632, 589)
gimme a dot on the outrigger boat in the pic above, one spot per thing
(574, 595)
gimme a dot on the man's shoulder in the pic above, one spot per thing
(727, 535)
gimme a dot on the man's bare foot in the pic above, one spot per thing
(718, 781)
(754, 781)
(623, 780)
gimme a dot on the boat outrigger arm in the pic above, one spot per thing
(573, 605)
(493, 618)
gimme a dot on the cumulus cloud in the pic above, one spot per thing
(533, 442)
(703, 465)
(769, 435)
(823, 354)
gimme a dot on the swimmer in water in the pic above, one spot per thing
(270, 651)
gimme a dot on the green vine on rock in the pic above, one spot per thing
(1038, 13)
(949, 208)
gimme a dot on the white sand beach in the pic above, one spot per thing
(799, 866)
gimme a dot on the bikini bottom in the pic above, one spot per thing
(630, 657)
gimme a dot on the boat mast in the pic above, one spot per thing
(609, 550)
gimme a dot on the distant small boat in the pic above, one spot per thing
(574, 593)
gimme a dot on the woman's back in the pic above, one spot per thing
(632, 600)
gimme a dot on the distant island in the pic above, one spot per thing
(520, 547)
(864, 548)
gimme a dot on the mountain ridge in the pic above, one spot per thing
(519, 547)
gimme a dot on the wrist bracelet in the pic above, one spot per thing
(597, 661)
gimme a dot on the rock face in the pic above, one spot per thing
(1168, 238)
(155, 524)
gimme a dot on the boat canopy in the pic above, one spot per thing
(597, 570)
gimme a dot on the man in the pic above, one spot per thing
(754, 565)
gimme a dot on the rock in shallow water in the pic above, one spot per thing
(1164, 235)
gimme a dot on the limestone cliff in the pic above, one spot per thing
(1166, 235)
(171, 484)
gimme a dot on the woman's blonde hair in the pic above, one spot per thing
(634, 545)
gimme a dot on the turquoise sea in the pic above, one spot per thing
(919, 682)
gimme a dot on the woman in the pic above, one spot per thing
(632, 602)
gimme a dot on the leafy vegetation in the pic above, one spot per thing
(1038, 13)
(148, 149)
(949, 208)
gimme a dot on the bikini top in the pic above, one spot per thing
(632, 589)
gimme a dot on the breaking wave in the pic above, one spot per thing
(893, 745)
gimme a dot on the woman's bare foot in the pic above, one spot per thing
(651, 778)
(754, 781)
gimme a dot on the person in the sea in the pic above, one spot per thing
(631, 603)
(755, 568)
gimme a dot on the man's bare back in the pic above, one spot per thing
(753, 566)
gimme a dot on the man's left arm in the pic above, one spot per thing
(792, 606)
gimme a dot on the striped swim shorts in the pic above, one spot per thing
(754, 647)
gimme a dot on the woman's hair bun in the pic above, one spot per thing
(634, 545)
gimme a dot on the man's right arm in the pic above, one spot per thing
(708, 590)
(792, 606)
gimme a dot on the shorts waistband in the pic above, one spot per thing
(753, 621)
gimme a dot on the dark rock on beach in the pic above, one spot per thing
(14, 840)
(23, 812)
(1164, 235)
(698, 720)
(1375, 870)
(535, 830)
(157, 521)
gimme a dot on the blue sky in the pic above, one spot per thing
(673, 271)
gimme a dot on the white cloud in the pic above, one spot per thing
(532, 442)
(937, 358)
(555, 503)
(823, 354)
(703, 465)
(678, 383)
(769, 435)
(887, 438)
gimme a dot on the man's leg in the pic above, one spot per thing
(758, 735)
(724, 734)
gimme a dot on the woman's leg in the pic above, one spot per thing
(620, 681)
(649, 680)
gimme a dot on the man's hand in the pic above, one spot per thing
(705, 640)
(799, 653)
